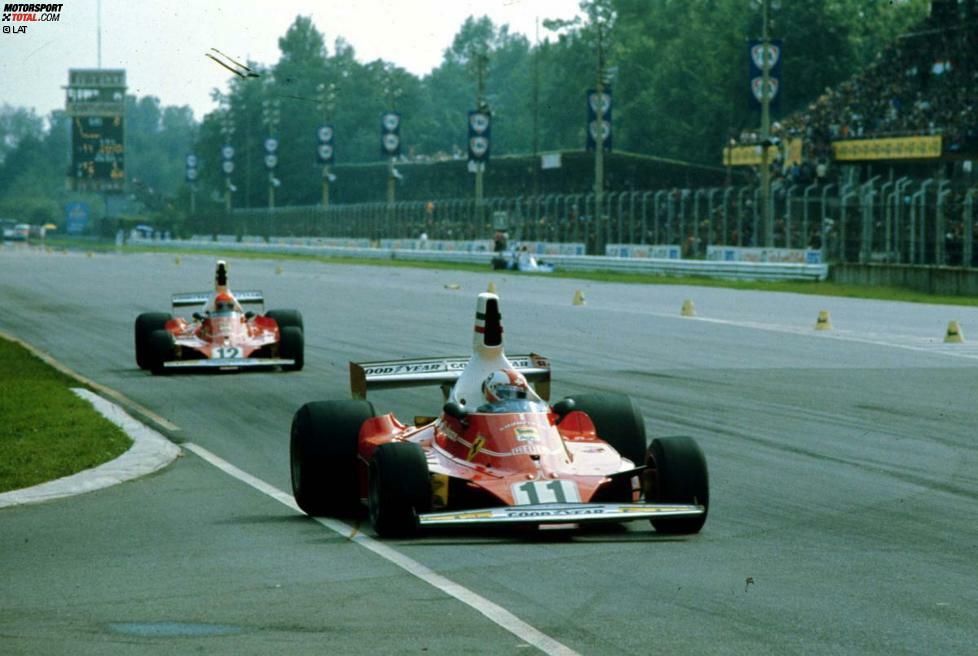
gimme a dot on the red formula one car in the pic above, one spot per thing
(220, 334)
(497, 454)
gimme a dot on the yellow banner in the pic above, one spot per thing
(742, 156)
(892, 148)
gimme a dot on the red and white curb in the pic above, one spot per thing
(149, 452)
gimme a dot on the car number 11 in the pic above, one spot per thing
(225, 352)
(556, 491)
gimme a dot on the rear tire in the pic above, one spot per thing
(286, 318)
(146, 323)
(161, 349)
(399, 489)
(292, 346)
(676, 473)
(323, 456)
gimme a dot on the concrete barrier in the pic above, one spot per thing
(703, 268)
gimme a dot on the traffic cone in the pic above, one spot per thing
(823, 322)
(492, 288)
(954, 334)
(579, 298)
(689, 310)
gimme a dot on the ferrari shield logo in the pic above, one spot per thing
(477, 445)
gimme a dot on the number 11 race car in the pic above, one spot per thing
(220, 334)
(497, 454)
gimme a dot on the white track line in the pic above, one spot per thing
(493, 611)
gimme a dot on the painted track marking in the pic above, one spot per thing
(492, 611)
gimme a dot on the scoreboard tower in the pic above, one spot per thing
(95, 103)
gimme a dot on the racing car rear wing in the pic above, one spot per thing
(438, 371)
(199, 298)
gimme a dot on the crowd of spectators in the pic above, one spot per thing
(924, 84)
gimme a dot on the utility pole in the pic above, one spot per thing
(766, 130)
(480, 104)
(536, 111)
(599, 136)
(227, 154)
(327, 102)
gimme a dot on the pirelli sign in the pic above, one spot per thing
(857, 150)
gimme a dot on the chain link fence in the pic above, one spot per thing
(900, 220)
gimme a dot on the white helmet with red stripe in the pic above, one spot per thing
(505, 384)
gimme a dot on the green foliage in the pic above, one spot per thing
(677, 69)
(48, 432)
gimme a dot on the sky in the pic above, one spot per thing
(162, 44)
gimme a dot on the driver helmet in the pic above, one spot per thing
(223, 303)
(505, 384)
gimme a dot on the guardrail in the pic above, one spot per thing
(720, 270)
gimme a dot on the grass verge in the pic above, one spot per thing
(903, 294)
(46, 431)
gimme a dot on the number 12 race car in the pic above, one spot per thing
(221, 334)
(497, 454)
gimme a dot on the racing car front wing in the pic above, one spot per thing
(561, 513)
(228, 363)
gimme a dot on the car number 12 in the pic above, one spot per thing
(225, 352)
(534, 492)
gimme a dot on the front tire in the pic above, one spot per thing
(323, 455)
(161, 348)
(618, 422)
(676, 473)
(285, 318)
(399, 489)
(292, 346)
(146, 324)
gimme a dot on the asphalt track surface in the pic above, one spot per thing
(844, 476)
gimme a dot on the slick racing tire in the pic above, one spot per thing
(286, 318)
(146, 323)
(161, 349)
(676, 473)
(292, 346)
(618, 422)
(323, 456)
(399, 489)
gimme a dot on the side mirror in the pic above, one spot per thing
(453, 409)
(198, 316)
(249, 315)
(564, 406)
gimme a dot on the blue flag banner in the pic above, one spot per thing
(599, 119)
(758, 61)
(480, 131)
(390, 134)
